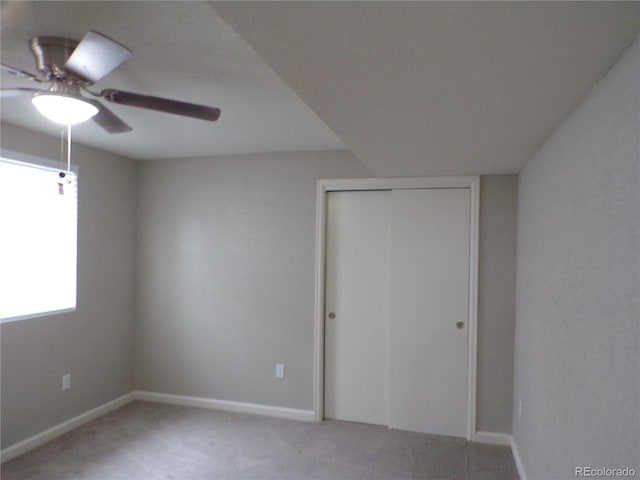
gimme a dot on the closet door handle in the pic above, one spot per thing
(332, 315)
(459, 325)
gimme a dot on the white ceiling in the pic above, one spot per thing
(437, 88)
(411, 88)
(181, 50)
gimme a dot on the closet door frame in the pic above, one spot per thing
(336, 185)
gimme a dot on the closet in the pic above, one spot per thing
(398, 273)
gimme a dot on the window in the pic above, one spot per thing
(38, 239)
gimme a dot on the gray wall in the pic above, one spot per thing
(496, 301)
(226, 279)
(94, 343)
(226, 257)
(577, 355)
(224, 287)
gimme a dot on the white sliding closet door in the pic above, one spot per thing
(396, 308)
(357, 296)
(429, 310)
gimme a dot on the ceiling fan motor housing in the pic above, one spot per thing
(51, 54)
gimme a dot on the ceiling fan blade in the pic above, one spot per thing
(108, 120)
(18, 92)
(95, 56)
(193, 110)
(17, 72)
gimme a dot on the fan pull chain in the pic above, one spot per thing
(62, 146)
(63, 174)
(69, 148)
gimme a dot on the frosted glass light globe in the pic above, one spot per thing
(64, 109)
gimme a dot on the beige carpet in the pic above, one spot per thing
(147, 441)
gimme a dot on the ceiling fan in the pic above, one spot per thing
(70, 68)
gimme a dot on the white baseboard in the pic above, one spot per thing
(229, 406)
(518, 460)
(507, 440)
(493, 438)
(62, 428)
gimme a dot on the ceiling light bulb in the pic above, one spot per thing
(63, 109)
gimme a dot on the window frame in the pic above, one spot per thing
(11, 156)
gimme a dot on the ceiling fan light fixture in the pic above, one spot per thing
(72, 66)
(64, 109)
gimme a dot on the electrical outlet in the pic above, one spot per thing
(66, 381)
(280, 370)
(519, 409)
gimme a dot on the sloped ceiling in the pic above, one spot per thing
(411, 88)
(438, 88)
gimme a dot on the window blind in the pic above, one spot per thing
(38, 239)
